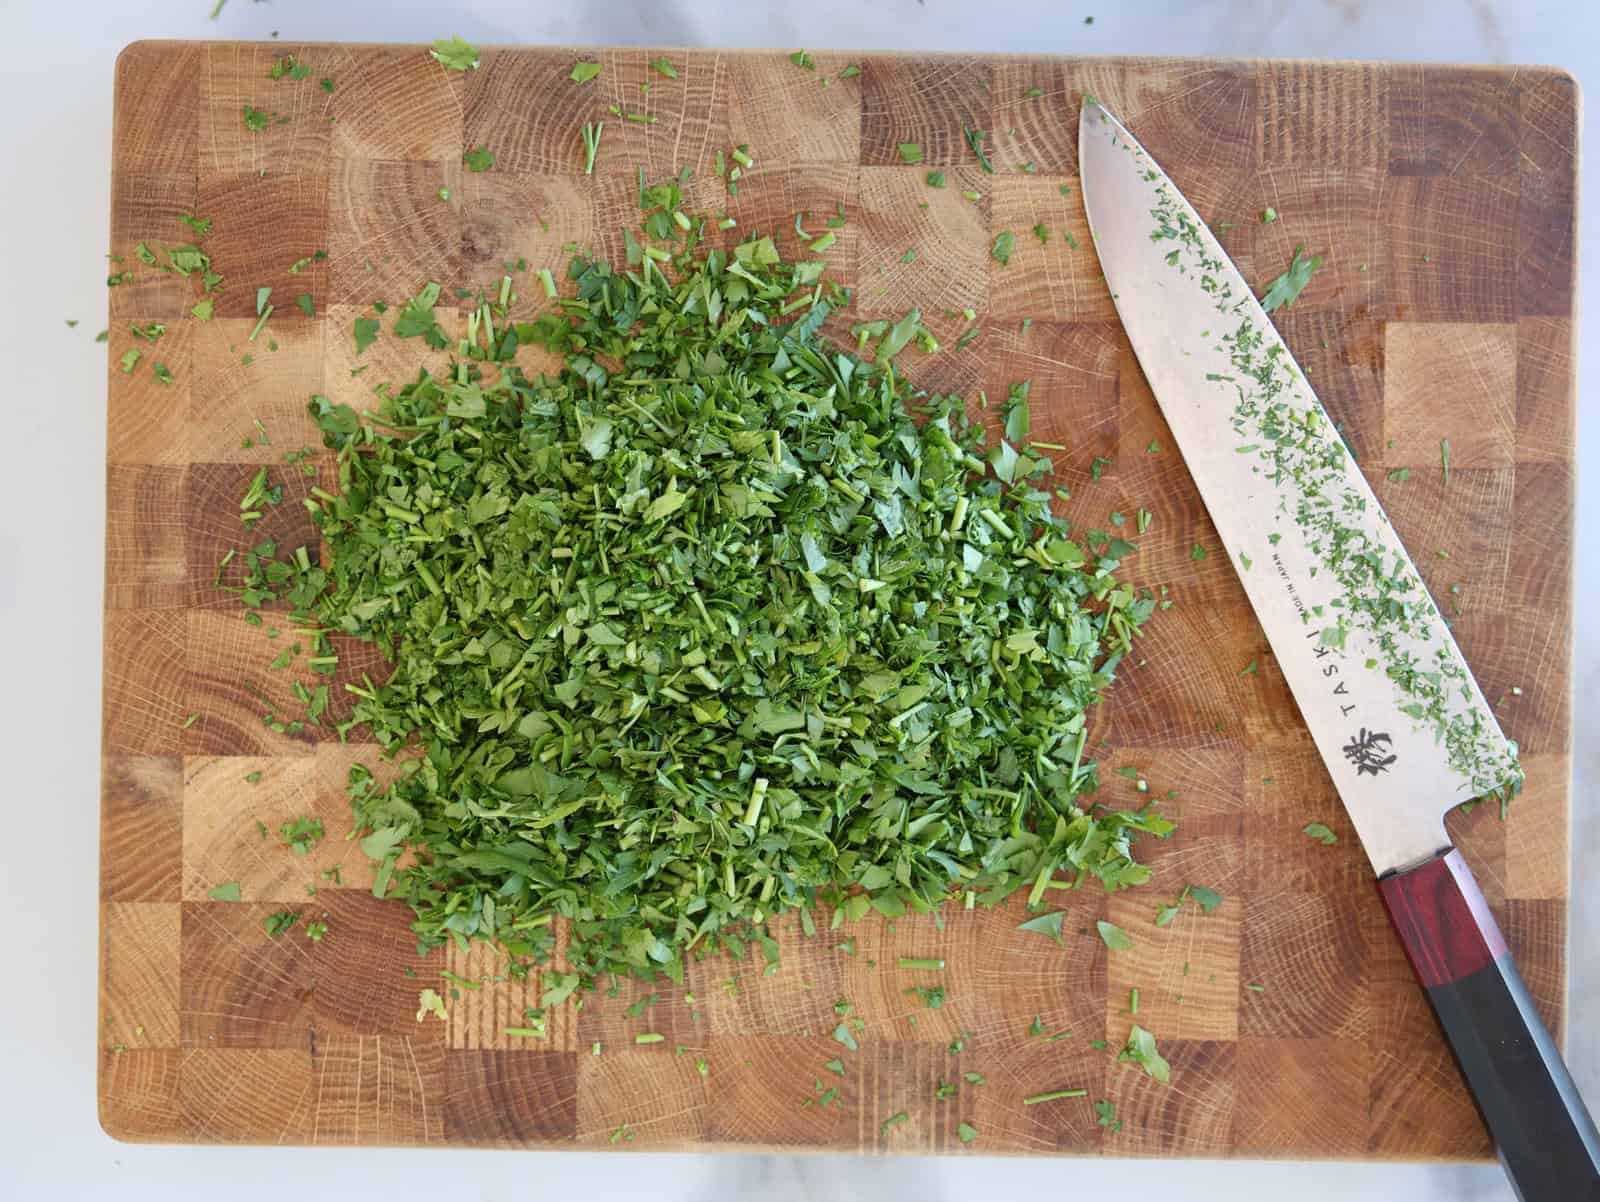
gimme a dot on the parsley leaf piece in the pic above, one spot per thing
(663, 66)
(1141, 1050)
(583, 72)
(479, 158)
(935, 179)
(1113, 936)
(1321, 833)
(910, 152)
(975, 139)
(366, 332)
(1004, 243)
(228, 891)
(1288, 286)
(801, 59)
(966, 1132)
(255, 120)
(932, 997)
(280, 923)
(305, 303)
(454, 54)
(416, 320)
(300, 835)
(1045, 924)
(1208, 899)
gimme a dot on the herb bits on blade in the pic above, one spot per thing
(719, 621)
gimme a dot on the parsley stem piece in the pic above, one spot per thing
(591, 144)
(1053, 1095)
(915, 962)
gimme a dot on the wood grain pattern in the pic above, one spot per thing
(1443, 198)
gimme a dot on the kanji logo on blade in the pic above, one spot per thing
(1369, 752)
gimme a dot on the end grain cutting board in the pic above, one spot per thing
(1443, 199)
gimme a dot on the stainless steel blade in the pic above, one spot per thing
(1397, 716)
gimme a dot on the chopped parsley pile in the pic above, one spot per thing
(706, 627)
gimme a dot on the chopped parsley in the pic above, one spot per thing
(834, 511)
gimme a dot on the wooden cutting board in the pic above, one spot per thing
(1443, 200)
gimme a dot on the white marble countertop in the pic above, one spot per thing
(56, 88)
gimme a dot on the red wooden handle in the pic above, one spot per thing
(1443, 920)
(1546, 1138)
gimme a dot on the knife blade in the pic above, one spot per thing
(1386, 695)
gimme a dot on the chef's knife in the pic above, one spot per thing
(1393, 709)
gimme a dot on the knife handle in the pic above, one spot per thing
(1546, 1139)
